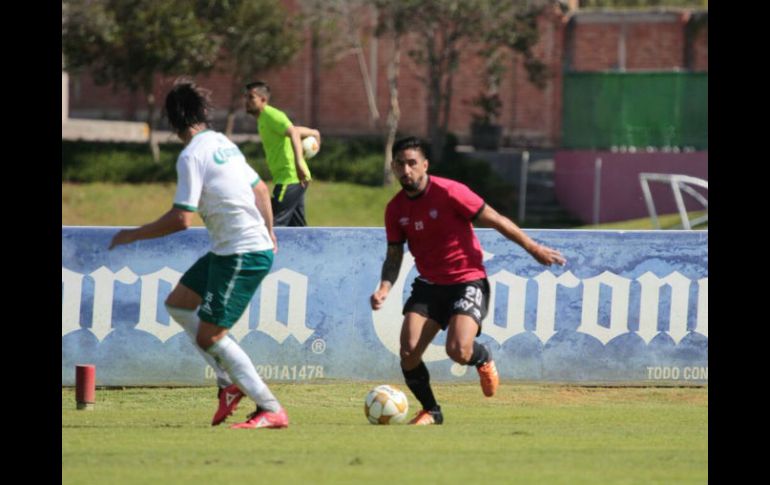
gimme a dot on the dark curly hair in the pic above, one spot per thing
(187, 105)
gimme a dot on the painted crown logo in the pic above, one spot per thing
(224, 155)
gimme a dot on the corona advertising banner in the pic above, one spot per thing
(629, 306)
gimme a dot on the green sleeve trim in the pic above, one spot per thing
(254, 183)
(188, 208)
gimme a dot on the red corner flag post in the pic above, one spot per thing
(85, 386)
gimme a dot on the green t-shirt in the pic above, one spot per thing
(272, 125)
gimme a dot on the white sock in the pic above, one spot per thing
(190, 322)
(241, 370)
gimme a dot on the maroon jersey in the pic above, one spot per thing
(437, 225)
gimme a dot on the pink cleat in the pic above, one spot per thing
(229, 397)
(264, 419)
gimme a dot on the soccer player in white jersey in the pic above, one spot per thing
(214, 180)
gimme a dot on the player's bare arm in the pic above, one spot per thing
(390, 270)
(542, 254)
(262, 201)
(299, 157)
(305, 132)
(172, 221)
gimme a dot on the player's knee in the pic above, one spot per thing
(409, 358)
(204, 341)
(458, 352)
(182, 316)
(174, 305)
(174, 298)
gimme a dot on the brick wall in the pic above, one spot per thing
(535, 112)
(701, 50)
(631, 40)
(598, 41)
(596, 47)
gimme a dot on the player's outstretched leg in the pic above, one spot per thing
(418, 381)
(485, 366)
(425, 417)
(241, 370)
(262, 418)
(228, 393)
(189, 321)
(229, 397)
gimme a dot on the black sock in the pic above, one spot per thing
(480, 354)
(418, 381)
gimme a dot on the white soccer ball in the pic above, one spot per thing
(386, 405)
(310, 147)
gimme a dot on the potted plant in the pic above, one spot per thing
(485, 132)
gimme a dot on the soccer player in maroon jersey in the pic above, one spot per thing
(435, 216)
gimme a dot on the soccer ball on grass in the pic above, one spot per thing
(386, 405)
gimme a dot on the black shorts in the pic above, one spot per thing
(288, 203)
(440, 302)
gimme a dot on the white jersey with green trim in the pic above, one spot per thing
(214, 179)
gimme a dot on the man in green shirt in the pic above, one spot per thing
(282, 142)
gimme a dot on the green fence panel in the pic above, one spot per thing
(658, 109)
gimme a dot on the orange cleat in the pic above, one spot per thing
(425, 417)
(490, 379)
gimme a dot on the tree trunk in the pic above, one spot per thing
(435, 125)
(232, 107)
(433, 80)
(394, 115)
(230, 123)
(153, 139)
(450, 60)
(352, 33)
(315, 77)
(445, 102)
(374, 114)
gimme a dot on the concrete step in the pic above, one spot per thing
(542, 210)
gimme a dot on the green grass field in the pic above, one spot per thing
(528, 433)
(106, 204)
(328, 204)
(666, 221)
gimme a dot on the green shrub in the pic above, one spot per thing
(356, 161)
(116, 162)
(256, 158)
(479, 176)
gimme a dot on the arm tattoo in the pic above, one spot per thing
(392, 264)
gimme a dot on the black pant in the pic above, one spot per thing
(289, 205)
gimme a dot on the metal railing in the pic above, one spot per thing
(679, 184)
